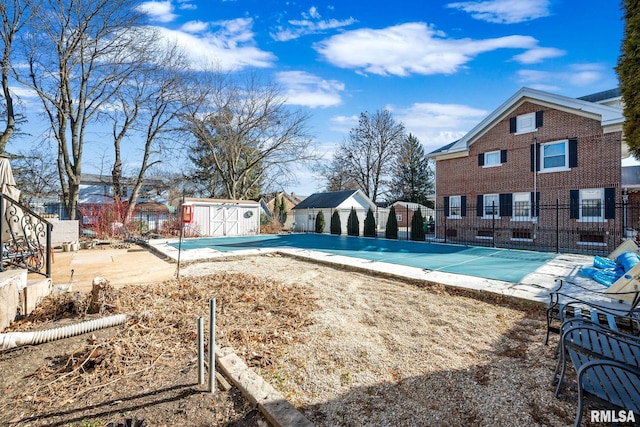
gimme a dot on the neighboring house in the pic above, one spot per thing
(329, 202)
(267, 202)
(152, 216)
(98, 189)
(541, 171)
(405, 211)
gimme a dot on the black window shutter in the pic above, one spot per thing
(446, 206)
(609, 203)
(503, 156)
(480, 205)
(481, 159)
(506, 204)
(573, 152)
(535, 201)
(535, 157)
(574, 204)
(512, 125)
(532, 157)
(463, 205)
(539, 118)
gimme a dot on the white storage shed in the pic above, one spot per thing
(221, 217)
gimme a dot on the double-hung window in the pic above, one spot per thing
(492, 158)
(554, 156)
(491, 205)
(521, 206)
(592, 204)
(455, 206)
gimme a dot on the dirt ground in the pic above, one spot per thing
(346, 348)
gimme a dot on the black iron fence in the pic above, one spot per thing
(105, 220)
(587, 228)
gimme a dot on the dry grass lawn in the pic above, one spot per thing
(346, 348)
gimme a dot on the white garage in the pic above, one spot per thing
(220, 217)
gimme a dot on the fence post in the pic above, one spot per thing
(493, 223)
(406, 221)
(48, 255)
(445, 227)
(557, 226)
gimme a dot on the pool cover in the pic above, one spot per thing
(491, 263)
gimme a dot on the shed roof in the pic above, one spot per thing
(220, 201)
(330, 199)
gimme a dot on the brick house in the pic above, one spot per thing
(405, 211)
(542, 171)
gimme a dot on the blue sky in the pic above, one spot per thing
(439, 66)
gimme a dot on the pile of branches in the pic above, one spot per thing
(258, 318)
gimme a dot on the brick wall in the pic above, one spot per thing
(599, 166)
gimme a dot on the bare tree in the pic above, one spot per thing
(14, 14)
(252, 135)
(79, 53)
(337, 175)
(369, 151)
(35, 174)
(148, 107)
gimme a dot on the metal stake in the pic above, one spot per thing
(212, 345)
(200, 350)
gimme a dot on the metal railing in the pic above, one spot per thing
(594, 229)
(561, 228)
(25, 238)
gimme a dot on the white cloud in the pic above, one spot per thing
(26, 97)
(539, 54)
(302, 88)
(186, 5)
(436, 124)
(194, 26)
(343, 124)
(504, 11)
(231, 46)
(313, 13)
(576, 75)
(159, 11)
(309, 24)
(411, 48)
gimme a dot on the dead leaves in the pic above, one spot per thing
(256, 317)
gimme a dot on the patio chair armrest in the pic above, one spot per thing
(568, 299)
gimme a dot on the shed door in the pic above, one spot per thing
(224, 221)
(217, 221)
(231, 221)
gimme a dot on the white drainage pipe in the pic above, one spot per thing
(15, 339)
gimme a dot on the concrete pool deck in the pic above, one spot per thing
(534, 286)
(137, 265)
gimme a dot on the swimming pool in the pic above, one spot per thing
(491, 263)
